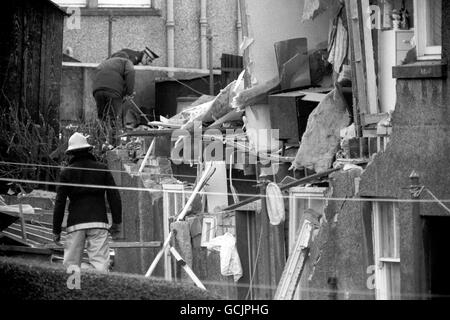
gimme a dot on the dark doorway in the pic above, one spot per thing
(438, 256)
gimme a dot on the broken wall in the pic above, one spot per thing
(266, 22)
(269, 22)
(344, 246)
(420, 142)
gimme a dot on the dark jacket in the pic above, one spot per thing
(116, 75)
(87, 207)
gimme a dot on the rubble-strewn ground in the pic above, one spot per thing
(29, 279)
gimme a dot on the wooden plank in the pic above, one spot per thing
(149, 68)
(203, 180)
(117, 245)
(374, 118)
(32, 56)
(294, 267)
(371, 79)
(152, 244)
(357, 58)
(53, 46)
(421, 70)
(43, 60)
(283, 188)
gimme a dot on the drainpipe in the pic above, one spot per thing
(203, 35)
(420, 284)
(239, 25)
(111, 19)
(170, 24)
(211, 70)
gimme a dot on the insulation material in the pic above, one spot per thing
(261, 137)
(217, 190)
(229, 117)
(254, 95)
(246, 43)
(314, 8)
(321, 140)
(230, 263)
(182, 241)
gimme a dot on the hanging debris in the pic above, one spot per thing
(321, 140)
(314, 8)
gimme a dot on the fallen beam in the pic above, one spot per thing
(200, 185)
(124, 245)
(296, 262)
(162, 69)
(117, 245)
(282, 188)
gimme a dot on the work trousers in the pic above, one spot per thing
(110, 112)
(109, 105)
(96, 243)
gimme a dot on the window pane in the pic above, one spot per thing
(434, 23)
(389, 232)
(70, 3)
(393, 280)
(124, 3)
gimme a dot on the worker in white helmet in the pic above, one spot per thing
(85, 182)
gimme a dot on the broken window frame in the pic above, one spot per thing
(209, 226)
(386, 244)
(422, 21)
(303, 194)
(105, 3)
(124, 3)
(71, 3)
(170, 193)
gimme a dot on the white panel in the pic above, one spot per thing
(124, 3)
(70, 3)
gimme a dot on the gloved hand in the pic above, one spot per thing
(129, 96)
(57, 239)
(114, 230)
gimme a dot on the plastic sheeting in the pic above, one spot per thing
(230, 263)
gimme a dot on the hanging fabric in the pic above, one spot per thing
(338, 44)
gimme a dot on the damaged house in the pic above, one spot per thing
(358, 163)
(378, 233)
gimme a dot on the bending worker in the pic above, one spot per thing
(86, 182)
(114, 80)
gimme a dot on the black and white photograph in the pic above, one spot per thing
(224, 155)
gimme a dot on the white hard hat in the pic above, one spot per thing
(78, 141)
(275, 204)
